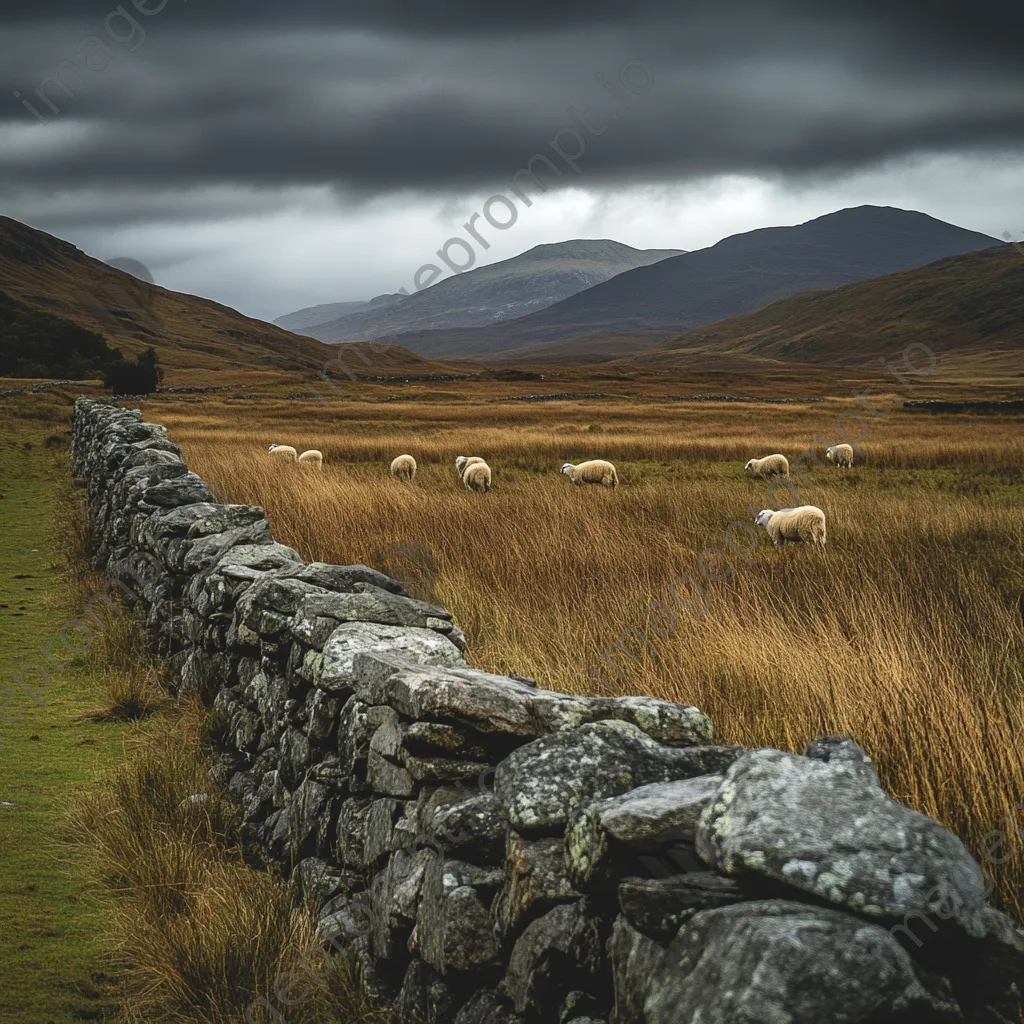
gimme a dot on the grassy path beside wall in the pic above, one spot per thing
(52, 943)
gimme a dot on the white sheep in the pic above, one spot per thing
(770, 465)
(284, 449)
(477, 476)
(462, 461)
(403, 467)
(596, 471)
(806, 523)
(313, 457)
(840, 454)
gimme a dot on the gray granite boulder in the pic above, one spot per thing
(453, 926)
(542, 783)
(556, 954)
(464, 820)
(534, 880)
(651, 815)
(825, 828)
(634, 959)
(505, 704)
(346, 641)
(781, 961)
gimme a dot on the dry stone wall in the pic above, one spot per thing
(493, 852)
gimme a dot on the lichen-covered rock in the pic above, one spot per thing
(387, 778)
(556, 954)
(634, 959)
(534, 880)
(320, 713)
(825, 828)
(658, 907)
(258, 556)
(311, 820)
(348, 640)
(465, 820)
(380, 827)
(453, 926)
(780, 961)
(354, 732)
(184, 490)
(660, 813)
(207, 549)
(352, 832)
(317, 882)
(369, 603)
(424, 998)
(487, 1007)
(506, 704)
(542, 783)
(341, 578)
(395, 898)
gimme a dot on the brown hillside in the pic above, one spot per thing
(187, 331)
(970, 308)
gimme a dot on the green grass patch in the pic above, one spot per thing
(52, 946)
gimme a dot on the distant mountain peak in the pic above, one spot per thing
(742, 272)
(495, 292)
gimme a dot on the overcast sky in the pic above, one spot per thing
(273, 154)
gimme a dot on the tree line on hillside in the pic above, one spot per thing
(38, 344)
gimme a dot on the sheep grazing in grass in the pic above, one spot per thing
(597, 471)
(285, 450)
(770, 465)
(403, 468)
(477, 476)
(464, 461)
(804, 524)
(312, 458)
(840, 454)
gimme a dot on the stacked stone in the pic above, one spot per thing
(493, 852)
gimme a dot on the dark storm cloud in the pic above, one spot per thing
(374, 97)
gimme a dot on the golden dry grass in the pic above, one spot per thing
(199, 935)
(907, 633)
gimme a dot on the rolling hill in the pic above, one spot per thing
(969, 307)
(55, 277)
(498, 292)
(740, 273)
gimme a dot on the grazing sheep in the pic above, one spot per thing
(312, 458)
(477, 476)
(597, 471)
(770, 465)
(840, 454)
(283, 449)
(403, 468)
(462, 461)
(806, 523)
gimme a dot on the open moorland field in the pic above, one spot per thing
(907, 632)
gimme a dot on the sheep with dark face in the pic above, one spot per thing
(596, 471)
(805, 524)
(770, 465)
(284, 451)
